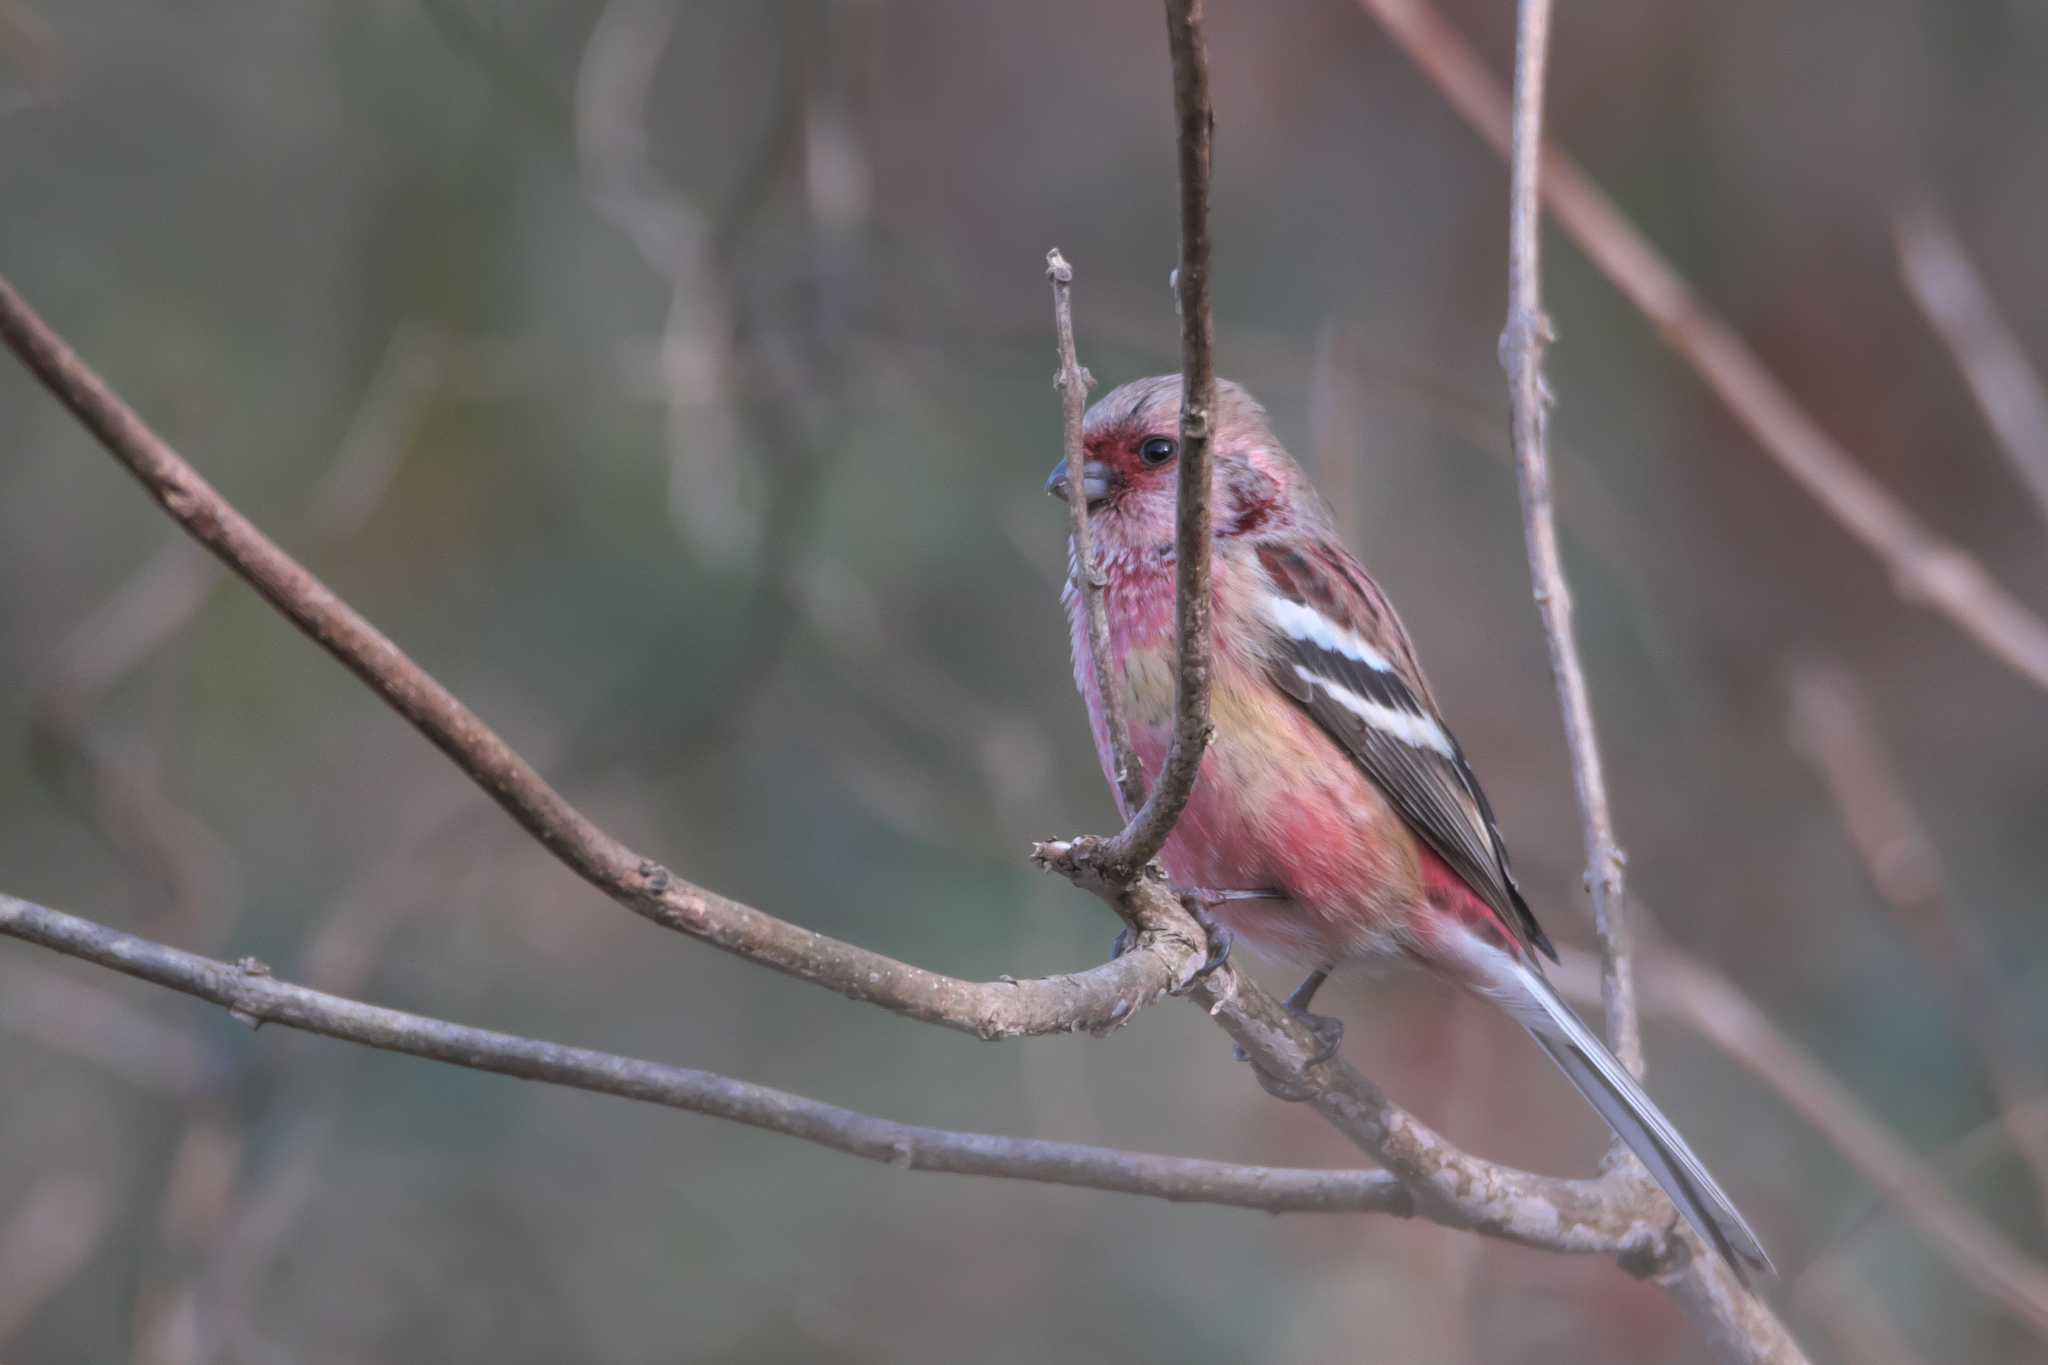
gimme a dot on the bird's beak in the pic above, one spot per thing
(1095, 482)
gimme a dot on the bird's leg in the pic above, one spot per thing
(1201, 903)
(1306, 991)
(1328, 1033)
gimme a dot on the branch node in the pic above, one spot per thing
(655, 876)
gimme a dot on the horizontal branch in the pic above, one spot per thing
(1094, 1000)
(252, 995)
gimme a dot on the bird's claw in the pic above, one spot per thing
(1327, 1031)
(1220, 939)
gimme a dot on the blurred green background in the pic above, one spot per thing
(673, 381)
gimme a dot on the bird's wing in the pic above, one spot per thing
(1342, 653)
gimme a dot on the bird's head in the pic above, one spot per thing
(1131, 476)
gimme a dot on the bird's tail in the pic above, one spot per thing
(1610, 1089)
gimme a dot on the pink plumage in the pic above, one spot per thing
(1332, 781)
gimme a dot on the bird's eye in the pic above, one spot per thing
(1158, 450)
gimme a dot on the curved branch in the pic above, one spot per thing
(1094, 1000)
(253, 996)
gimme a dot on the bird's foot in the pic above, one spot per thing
(1221, 940)
(1326, 1030)
(1201, 904)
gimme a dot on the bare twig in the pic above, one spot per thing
(1925, 568)
(255, 997)
(1831, 725)
(1946, 285)
(1522, 344)
(1148, 830)
(1084, 575)
(1096, 999)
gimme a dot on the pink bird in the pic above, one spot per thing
(1335, 818)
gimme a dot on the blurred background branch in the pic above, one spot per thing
(1925, 568)
(1947, 288)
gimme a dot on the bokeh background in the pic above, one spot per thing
(673, 381)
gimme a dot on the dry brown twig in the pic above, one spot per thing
(1141, 840)
(1926, 569)
(1084, 575)
(1121, 859)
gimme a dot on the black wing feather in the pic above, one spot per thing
(1437, 794)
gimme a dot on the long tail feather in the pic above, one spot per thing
(1609, 1088)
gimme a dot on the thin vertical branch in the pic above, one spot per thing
(1522, 345)
(1084, 575)
(1196, 124)
(1960, 308)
